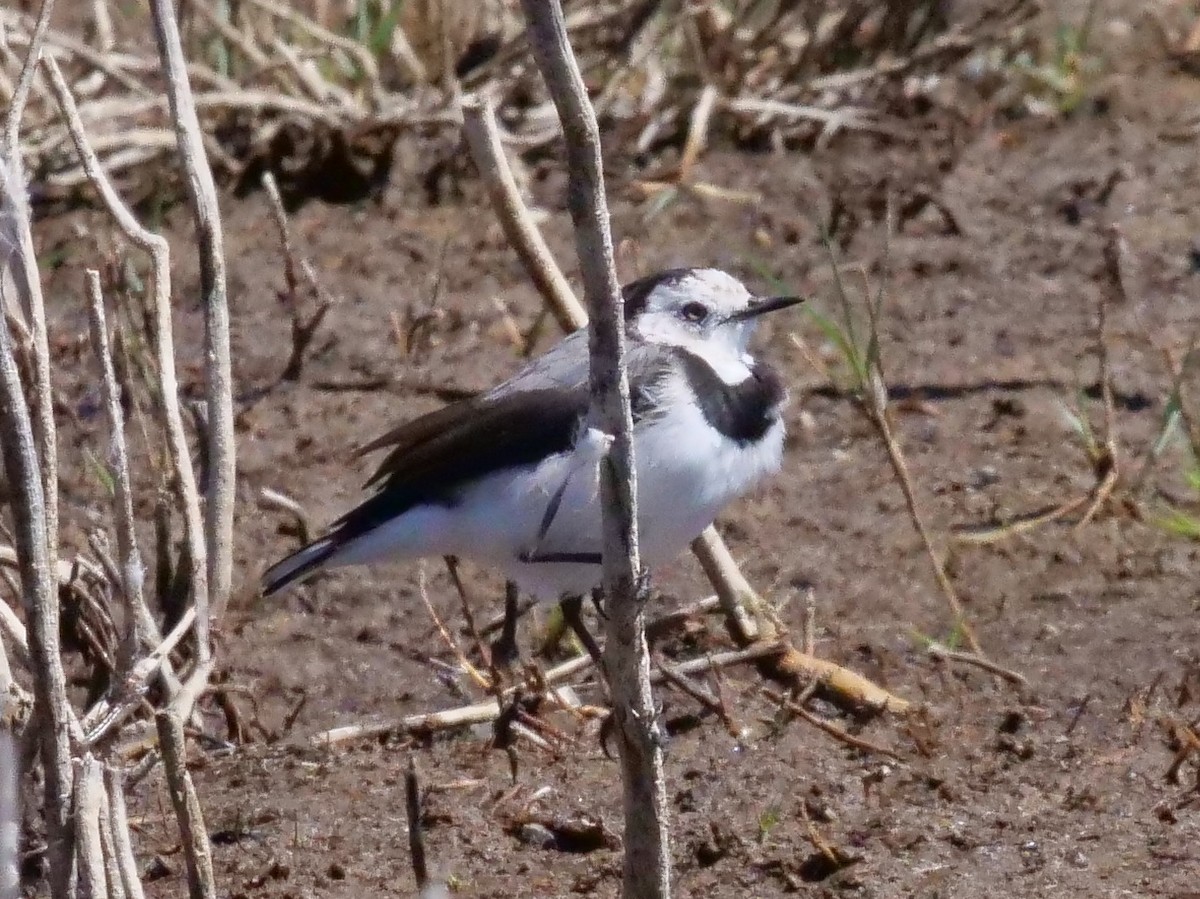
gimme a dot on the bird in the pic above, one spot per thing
(510, 478)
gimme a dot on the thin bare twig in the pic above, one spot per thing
(627, 659)
(483, 139)
(38, 580)
(416, 827)
(222, 462)
(156, 246)
(142, 631)
(10, 781)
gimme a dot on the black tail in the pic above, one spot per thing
(299, 565)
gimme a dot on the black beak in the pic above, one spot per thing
(762, 305)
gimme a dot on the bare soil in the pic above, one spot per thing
(1061, 789)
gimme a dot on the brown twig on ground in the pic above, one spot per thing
(220, 491)
(944, 653)
(827, 726)
(273, 499)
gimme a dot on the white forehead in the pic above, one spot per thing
(718, 290)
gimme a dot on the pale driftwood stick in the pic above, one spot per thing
(219, 492)
(10, 787)
(197, 851)
(141, 629)
(156, 246)
(114, 780)
(627, 659)
(38, 581)
(483, 139)
(93, 880)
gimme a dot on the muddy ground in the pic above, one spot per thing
(1058, 789)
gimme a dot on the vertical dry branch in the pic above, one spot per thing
(222, 472)
(29, 288)
(141, 628)
(114, 780)
(647, 868)
(93, 879)
(197, 851)
(156, 247)
(38, 581)
(16, 109)
(10, 808)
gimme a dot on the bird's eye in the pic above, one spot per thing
(695, 312)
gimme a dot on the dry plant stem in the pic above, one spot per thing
(489, 710)
(10, 802)
(878, 415)
(219, 491)
(114, 781)
(938, 651)
(197, 852)
(16, 108)
(827, 726)
(142, 629)
(627, 658)
(156, 246)
(39, 582)
(112, 873)
(483, 139)
(416, 829)
(30, 288)
(93, 880)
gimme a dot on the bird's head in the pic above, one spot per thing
(701, 309)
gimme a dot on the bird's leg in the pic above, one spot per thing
(505, 652)
(572, 612)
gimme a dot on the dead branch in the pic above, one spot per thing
(156, 246)
(483, 139)
(142, 631)
(114, 780)
(219, 494)
(10, 786)
(197, 852)
(944, 653)
(38, 578)
(627, 659)
(89, 790)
